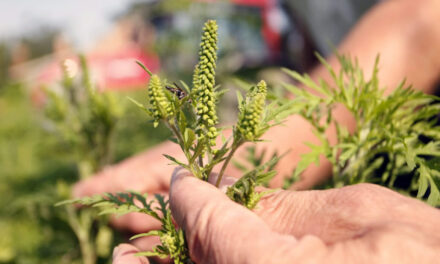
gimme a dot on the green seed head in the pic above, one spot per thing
(251, 112)
(196, 76)
(204, 82)
(161, 107)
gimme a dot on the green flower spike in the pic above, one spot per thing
(204, 82)
(196, 77)
(160, 105)
(251, 112)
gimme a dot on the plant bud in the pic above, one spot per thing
(160, 105)
(251, 112)
(204, 82)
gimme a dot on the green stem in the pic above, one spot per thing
(82, 232)
(106, 155)
(225, 164)
(176, 133)
(195, 170)
(200, 161)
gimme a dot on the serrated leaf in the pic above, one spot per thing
(265, 177)
(348, 151)
(309, 158)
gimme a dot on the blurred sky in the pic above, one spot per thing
(83, 21)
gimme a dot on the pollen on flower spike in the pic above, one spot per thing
(252, 111)
(204, 82)
(160, 106)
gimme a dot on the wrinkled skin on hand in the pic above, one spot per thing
(363, 223)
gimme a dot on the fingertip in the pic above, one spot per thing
(125, 253)
(88, 187)
(98, 183)
(178, 174)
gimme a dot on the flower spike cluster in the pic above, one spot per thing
(160, 105)
(204, 82)
(251, 112)
(190, 114)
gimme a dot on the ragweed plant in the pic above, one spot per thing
(396, 135)
(84, 120)
(190, 113)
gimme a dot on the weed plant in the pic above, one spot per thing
(395, 134)
(397, 138)
(84, 120)
(191, 114)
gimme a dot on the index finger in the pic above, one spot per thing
(221, 231)
(145, 172)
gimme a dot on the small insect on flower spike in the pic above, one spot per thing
(179, 92)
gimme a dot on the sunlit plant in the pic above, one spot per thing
(396, 135)
(191, 114)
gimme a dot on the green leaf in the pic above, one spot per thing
(348, 150)
(434, 195)
(307, 81)
(151, 254)
(189, 137)
(143, 67)
(434, 163)
(410, 155)
(182, 122)
(150, 233)
(309, 158)
(423, 182)
(141, 106)
(174, 160)
(242, 84)
(185, 86)
(265, 177)
(200, 147)
(239, 99)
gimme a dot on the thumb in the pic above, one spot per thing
(219, 230)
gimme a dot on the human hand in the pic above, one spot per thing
(147, 172)
(356, 224)
(124, 253)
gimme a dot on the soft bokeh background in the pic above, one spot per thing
(256, 38)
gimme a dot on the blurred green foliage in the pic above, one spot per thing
(32, 166)
(4, 63)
